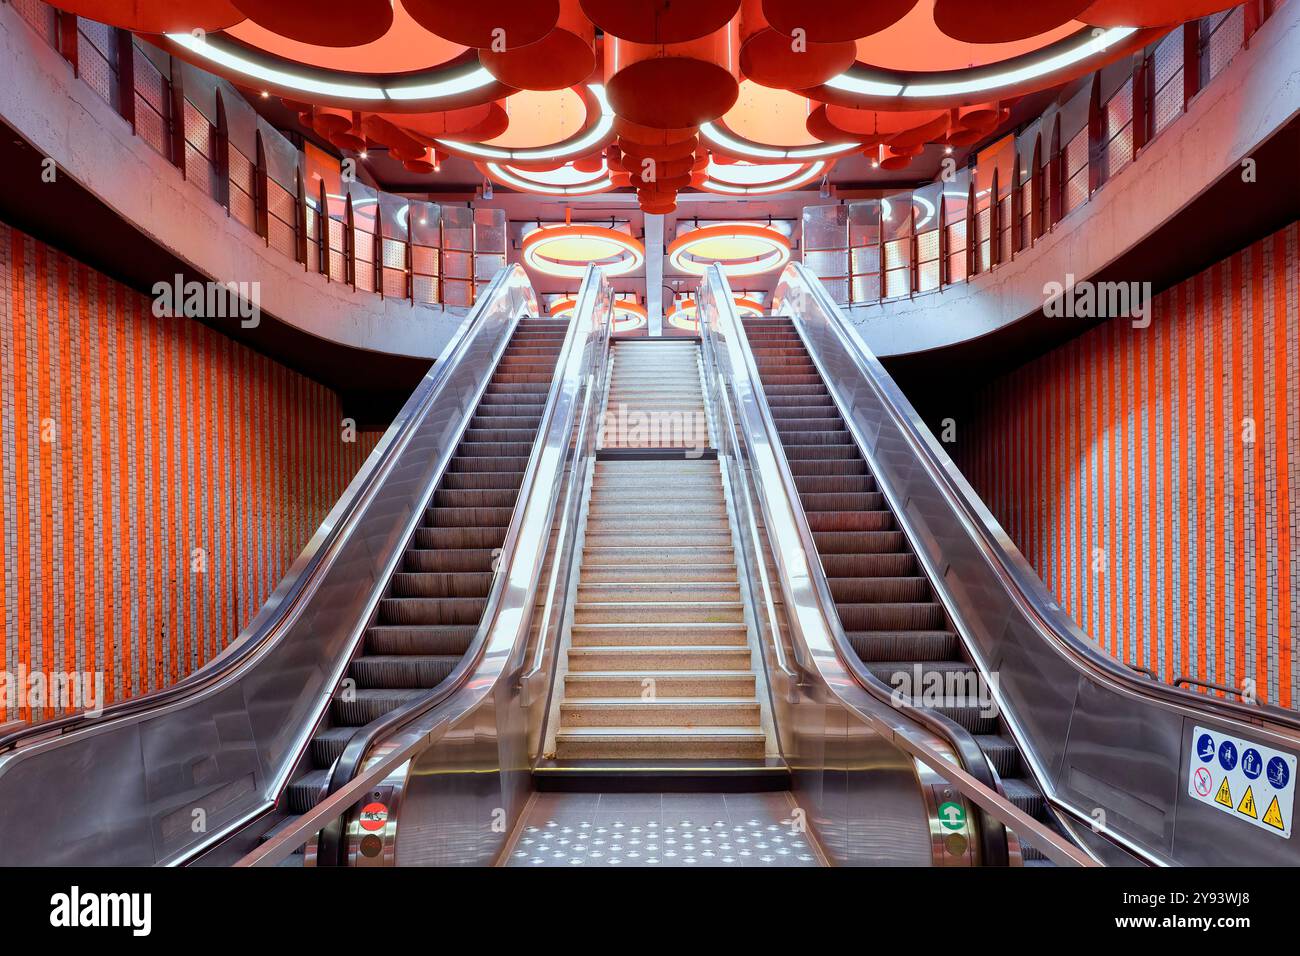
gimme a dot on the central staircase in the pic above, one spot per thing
(659, 664)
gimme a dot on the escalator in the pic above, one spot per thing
(1097, 760)
(380, 621)
(432, 606)
(890, 613)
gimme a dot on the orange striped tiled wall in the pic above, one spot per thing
(157, 478)
(1152, 476)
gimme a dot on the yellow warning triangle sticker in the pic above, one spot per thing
(1224, 796)
(1247, 805)
(1273, 815)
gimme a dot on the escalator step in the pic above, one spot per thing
(434, 639)
(327, 746)
(792, 404)
(497, 434)
(307, 790)
(801, 421)
(972, 717)
(844, 501)
(826, 436)
(392, 672)
(816, 484)
(460, 537)
(882, 616)
(439, 517)
(466, 463)
(959, 675)
(885, 589)
(527, 423)
(1002, 754)
(891, 565)
(850, 520)
(530, 404)
(438, 585)
(859, 542)
(409, 611)
(459, 561)
(820, 452)
(464, 480)
(873, 646)
(475, 498)
(823, 467)
(495, 449)
(1025, 796)
(370, 704)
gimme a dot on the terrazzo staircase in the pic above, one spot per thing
(659, 662)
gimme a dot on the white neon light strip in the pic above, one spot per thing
(198, 45)
(476, 79)
(569, 148)
(1099, 43)
(720, 137)
(508, 177)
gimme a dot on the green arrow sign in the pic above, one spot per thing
(952, 816)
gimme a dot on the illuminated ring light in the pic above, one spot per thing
(865, 85)
(589, 139)
(574, 247)
(755, 249)
(740, 179)
(681, 314)
(463, 81)
(565, 181)
(629, 315)
(720, 136)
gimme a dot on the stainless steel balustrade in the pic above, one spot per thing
(1097, 735)
(460, 770)
(871, 774)
(157, 779)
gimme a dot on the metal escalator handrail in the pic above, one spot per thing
(1022, 582)
(377, 749)
(972, 759)
(333, 845)
(307, 568)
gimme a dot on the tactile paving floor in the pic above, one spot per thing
(671, 829)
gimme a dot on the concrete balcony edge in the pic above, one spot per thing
(1241, 108)
(64, 119)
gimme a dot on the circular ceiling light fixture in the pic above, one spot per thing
(757, 179)
(739, 248)
(565, 181)
(566, 250)
(596, 132)
(769, 125)
(682, 313)
(629, 314)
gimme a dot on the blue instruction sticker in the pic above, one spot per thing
(1205, 748)
(1227, 755)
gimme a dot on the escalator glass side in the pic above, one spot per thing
(890, 614)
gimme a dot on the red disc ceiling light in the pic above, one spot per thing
(672, 93)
